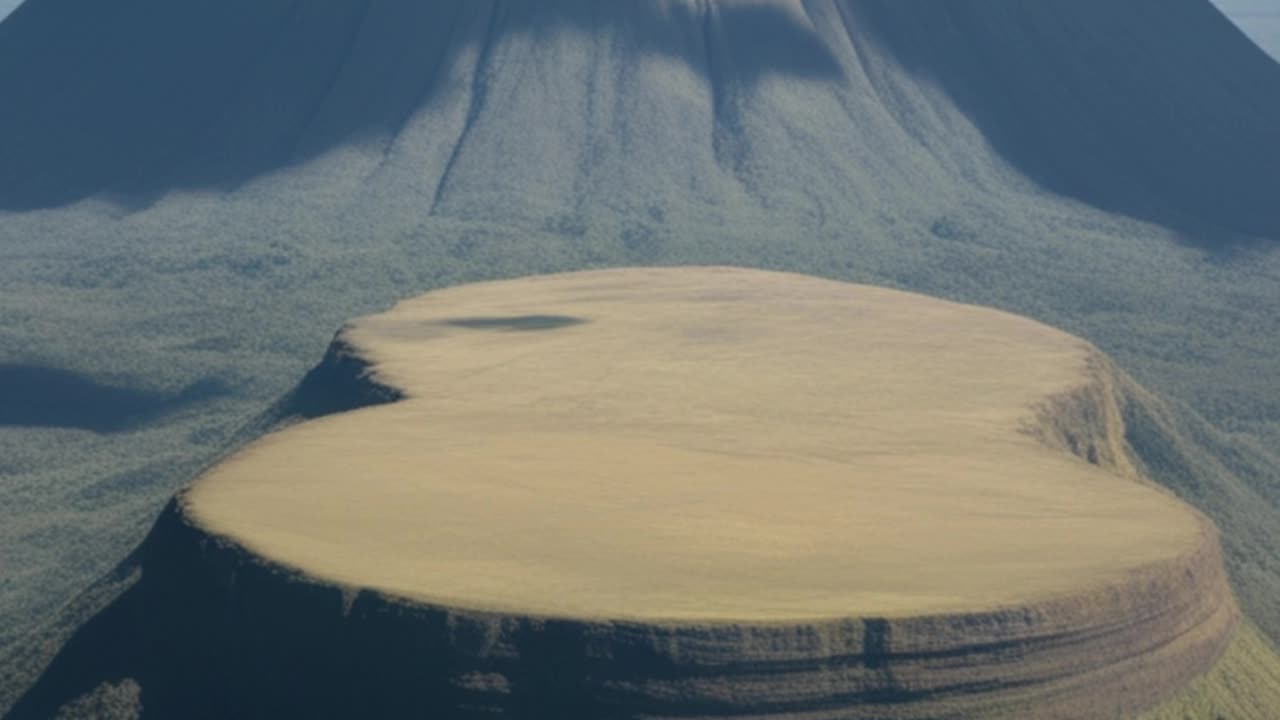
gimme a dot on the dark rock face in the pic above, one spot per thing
(340, 383)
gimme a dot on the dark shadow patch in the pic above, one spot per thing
(33, 396)
(875, 642)
(519, 323)
(343, 381)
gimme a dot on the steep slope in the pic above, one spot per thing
(1097, 100)
(195, 193)
(676, 493)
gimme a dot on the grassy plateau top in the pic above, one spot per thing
(697, 444)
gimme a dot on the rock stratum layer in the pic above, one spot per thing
(673, 493)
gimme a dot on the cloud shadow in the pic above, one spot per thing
(34, 396)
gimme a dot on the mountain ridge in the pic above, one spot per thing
(323, 77)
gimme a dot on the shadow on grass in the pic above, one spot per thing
(34, 396)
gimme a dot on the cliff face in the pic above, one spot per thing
(212, 629)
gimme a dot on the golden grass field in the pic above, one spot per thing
(698, 445)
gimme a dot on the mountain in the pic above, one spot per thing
(249, 88)
(193, 194)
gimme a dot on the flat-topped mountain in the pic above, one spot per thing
(701, 445)
(675, 493)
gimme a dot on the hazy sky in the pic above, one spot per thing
(1259, 18)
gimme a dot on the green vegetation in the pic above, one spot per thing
(1245, 684)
